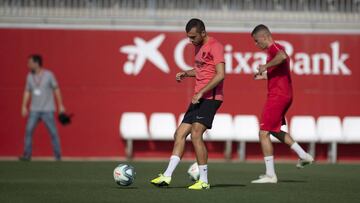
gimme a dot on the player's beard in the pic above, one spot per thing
(200, 43)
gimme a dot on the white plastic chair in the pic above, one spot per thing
(329, 131)
(133, 126)
(351, 129)
(246, 130)
(222, 130)
(303, 129)
(162, 126)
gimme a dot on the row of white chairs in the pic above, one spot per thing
(243, 128)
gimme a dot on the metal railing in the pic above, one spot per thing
(229, 11)
(346, 6)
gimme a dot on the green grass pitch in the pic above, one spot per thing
(41, 181)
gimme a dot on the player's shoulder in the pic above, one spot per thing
(275, 48)
(278, 46)
(215, 43)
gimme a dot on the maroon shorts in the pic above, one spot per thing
(273, 116)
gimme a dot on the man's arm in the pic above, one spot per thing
(278, 59)
(25, 101)
(220, 76)
(190, 73)
(181, 75)
(59, 100)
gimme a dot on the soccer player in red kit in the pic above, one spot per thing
(209, 73)
(279, 98)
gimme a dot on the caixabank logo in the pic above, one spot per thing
(332, 61)
(142, 51)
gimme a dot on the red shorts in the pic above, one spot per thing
(273, 116)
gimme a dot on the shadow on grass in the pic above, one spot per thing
(172, 187)
(212, 186)
(126, 188)
(292, 181)
(227, 185)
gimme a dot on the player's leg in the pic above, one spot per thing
(268, 152)
(30, 126)
(203, 120)
(49, 120)
(267, 149)
(284, 137)
(197, 132)
(270, 121)
(304, 157)
(179, 145)
(266, 144)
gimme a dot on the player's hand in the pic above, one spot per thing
(180, 76)
(24, 111)
(257, 76)
(196, 98)
(262, 76)
(261, 69)
(62, 109)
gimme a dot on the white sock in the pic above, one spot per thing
(203, 173)
(299, 151)
(269, 164)
(174, 161)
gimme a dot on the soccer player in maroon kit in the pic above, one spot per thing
(279, 98)
(209, 74)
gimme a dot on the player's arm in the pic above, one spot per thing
(190, 73)
(25, 101)
(278, 59)
(181, 75)
(59, 100)
(219, 76)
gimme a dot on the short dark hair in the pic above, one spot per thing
(195, 22)
(37, 58)
(259, 28)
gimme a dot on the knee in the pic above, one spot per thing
(196, 136)
(196, 131)
(263, 134)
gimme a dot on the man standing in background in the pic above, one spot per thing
(40, 86)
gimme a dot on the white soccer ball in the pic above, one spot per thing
(193, 172)
(124, 174)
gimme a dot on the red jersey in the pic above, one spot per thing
(279, 80)
(207, 56)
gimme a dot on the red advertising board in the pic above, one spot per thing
(103, 73)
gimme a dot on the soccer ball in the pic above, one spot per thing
(124, 174)
(193, 172)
